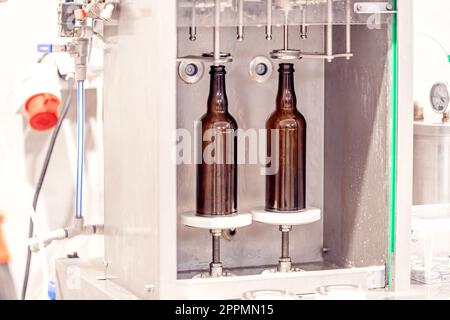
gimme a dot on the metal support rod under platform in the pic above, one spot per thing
(284, 244)
(216, 248)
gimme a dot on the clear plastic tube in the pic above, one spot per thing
(80, 149)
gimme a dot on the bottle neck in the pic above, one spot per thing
(286, 98)
(217, 100)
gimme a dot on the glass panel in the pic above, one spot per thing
(312, 12)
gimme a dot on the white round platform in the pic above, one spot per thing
(288, 218)
(240, 220)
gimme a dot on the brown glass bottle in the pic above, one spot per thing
(217, 172)
(285, 188)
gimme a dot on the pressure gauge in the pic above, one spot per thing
(439, 97)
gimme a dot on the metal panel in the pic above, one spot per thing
(143, 195)
(251, 103)
(297, 282)
(255, 12)
(357, 97)
(140, 56)
(77, 279)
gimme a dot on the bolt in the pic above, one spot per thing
(191, 70)
(359, 7)
(149, 288)
(106, 263)
(261, 69)
(389, 7)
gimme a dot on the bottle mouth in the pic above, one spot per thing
(217, 69)
(286, 67)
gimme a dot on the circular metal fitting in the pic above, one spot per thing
(289, 54)
(191, 71)
(284, 265)
(260, 69)
(224, 57)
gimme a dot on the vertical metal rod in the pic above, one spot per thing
(215, 248)
(348, 29)
(269, 20)
(193, 27)
(240, 28)
(286, 31)
(285, 244)
(80, 150)
(217, 32)
(330, 30)
(303, 25)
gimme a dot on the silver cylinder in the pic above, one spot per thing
(431, 180)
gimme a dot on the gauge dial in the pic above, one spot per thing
(440, 97)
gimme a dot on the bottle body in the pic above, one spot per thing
(286, 149)
(217, 169)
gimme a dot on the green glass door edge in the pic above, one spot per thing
(393, 172)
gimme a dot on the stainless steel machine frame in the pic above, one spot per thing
(151, 254)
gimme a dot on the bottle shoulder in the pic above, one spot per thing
(280, 119)
(218, 120)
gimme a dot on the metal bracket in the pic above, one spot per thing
(373, 7)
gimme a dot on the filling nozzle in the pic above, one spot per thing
(76, 229)
(269, 20)
(240, 28)
(304, 25)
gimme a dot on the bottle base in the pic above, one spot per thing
(293, 210)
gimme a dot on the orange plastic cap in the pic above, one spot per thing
(42, 111)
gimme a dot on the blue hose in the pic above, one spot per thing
(80, 149)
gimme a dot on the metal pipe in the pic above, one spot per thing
(303, 25)
(77, 228)
(269, 20)
(217, 32)
(286, 32)
(215, 248)
(348, 29)
(285, 244)
(240, 28)
(80, 149)
(329, 30)
(193, 27)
